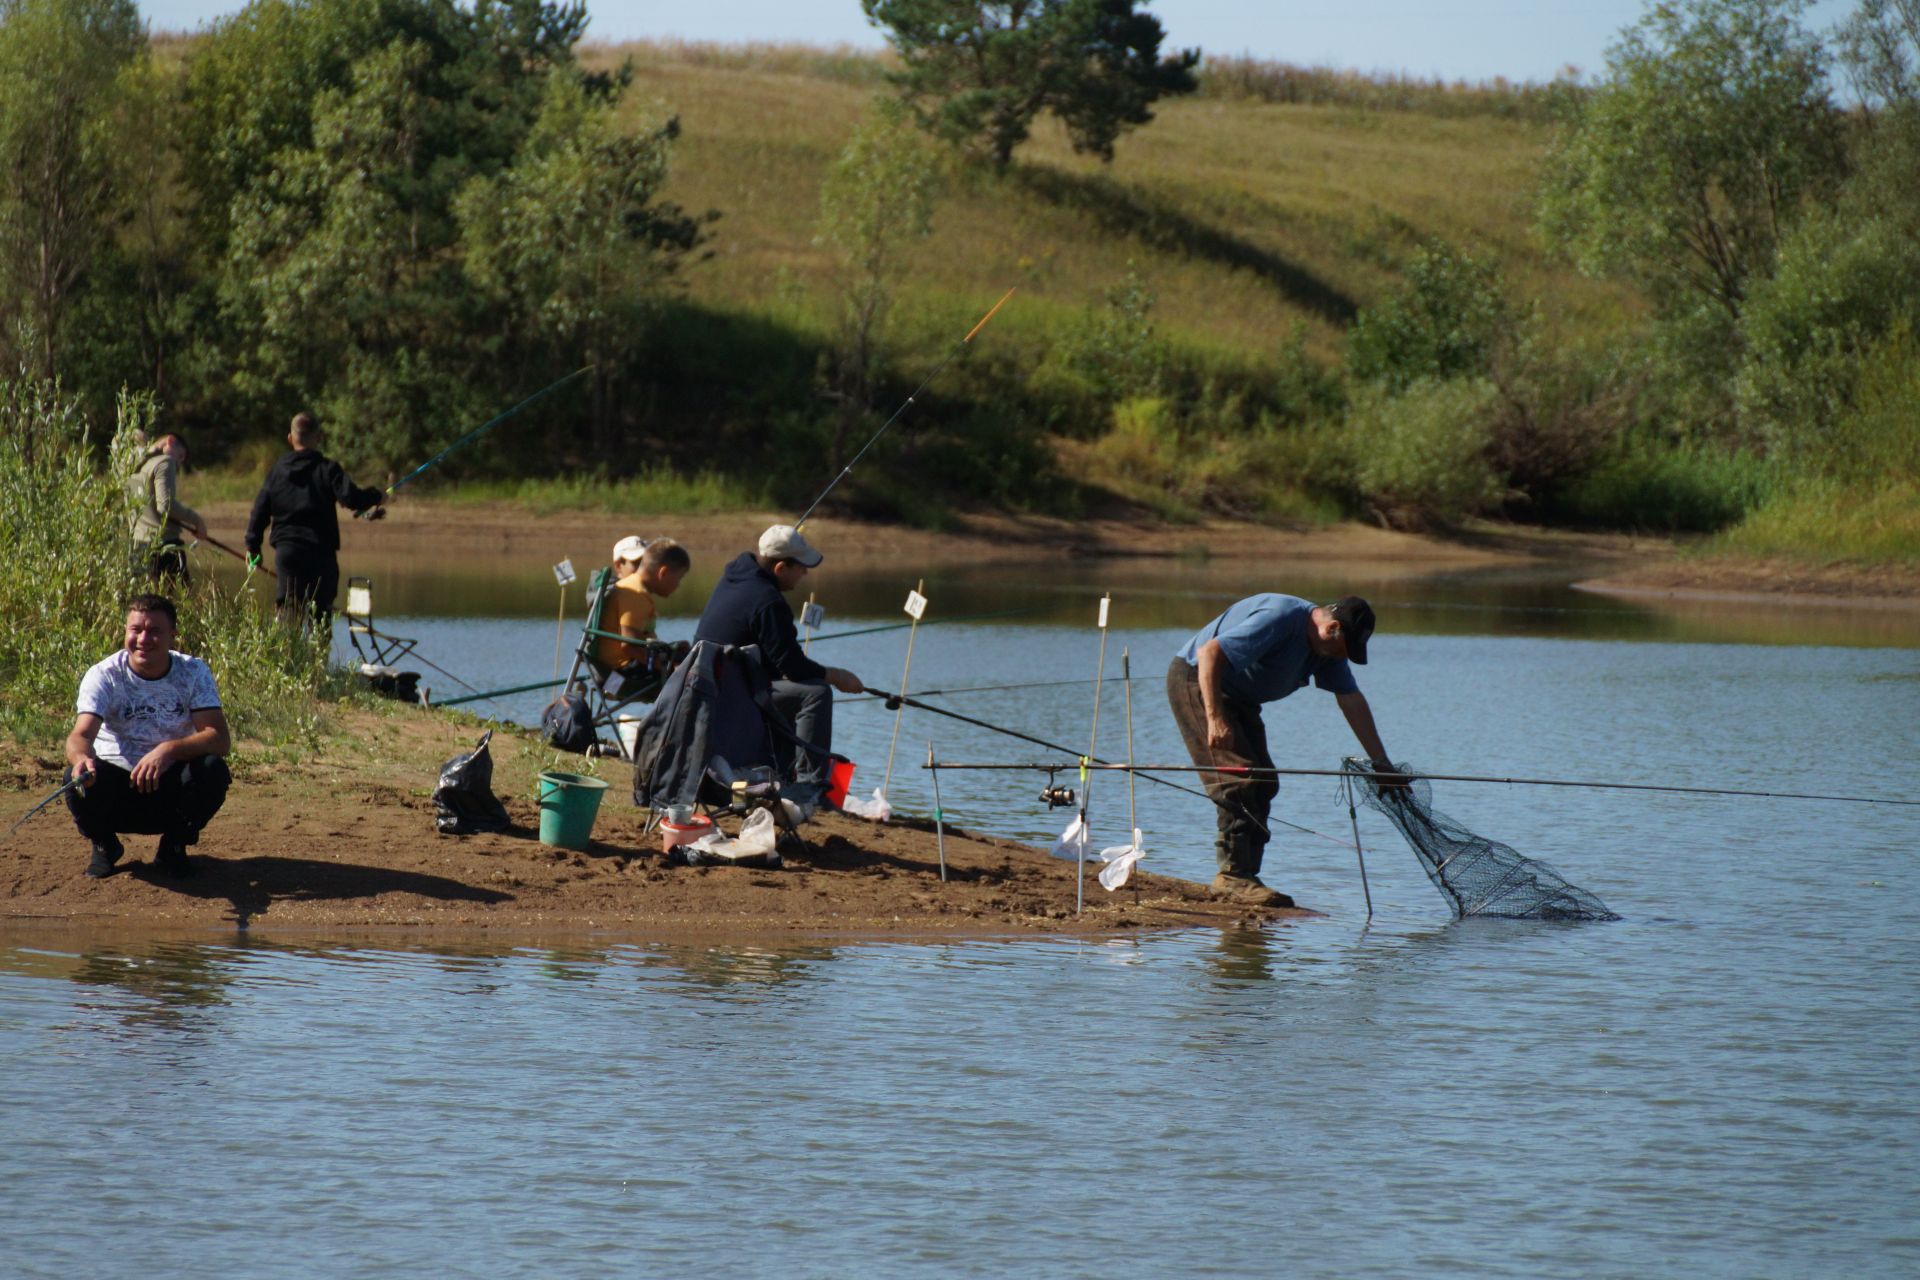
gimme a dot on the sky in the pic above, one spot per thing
(1464, 39)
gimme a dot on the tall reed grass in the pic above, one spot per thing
(72, 563)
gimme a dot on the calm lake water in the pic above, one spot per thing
(1723, 1083)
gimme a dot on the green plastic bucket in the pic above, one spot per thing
(568, 804)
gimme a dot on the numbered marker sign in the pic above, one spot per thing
(916, 605)
(563, 572)
(1104, 602)
(811, 616)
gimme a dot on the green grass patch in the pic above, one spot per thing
(657, 489)
(1665, 488)
(1862, 521)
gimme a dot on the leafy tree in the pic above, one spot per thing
(571, 239)
(875, 204)
(981, 71)
(1880, 45)
(1710, 132)
(328, 142)
(60, 64)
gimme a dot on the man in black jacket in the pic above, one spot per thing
(746, 608)
(297, 500)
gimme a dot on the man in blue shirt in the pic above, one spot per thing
(1259, 651)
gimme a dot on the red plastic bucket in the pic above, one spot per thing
(839, 781)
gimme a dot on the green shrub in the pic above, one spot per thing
(1444, 322)
(1420, 458)
(1667, 487)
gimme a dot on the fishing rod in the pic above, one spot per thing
(1409, 775)
(934, 622)
(76, 781)
(475, 434)
(212, 541)
(894, 700)
(847, 470)
(998, 688)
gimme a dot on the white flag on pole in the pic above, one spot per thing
(1072, 844)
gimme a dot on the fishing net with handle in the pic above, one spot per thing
(1477, 876)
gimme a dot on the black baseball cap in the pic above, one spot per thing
(1355, 617)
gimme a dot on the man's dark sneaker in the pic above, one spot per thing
(105, 856)
(1248, 891)
(171, 859)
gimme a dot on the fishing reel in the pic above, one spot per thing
(1058, 797)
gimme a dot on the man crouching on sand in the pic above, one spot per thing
(147, 745)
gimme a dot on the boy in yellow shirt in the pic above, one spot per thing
(651, 571)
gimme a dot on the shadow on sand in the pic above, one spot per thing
(251, 885)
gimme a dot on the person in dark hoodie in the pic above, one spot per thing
(746, 608)
(297, 501)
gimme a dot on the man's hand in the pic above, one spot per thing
(84, 771)
(1387, 778)
(152, 767)
(1219, 732)
(845, 681)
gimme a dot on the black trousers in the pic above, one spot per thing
(189, 795)
(308, 579)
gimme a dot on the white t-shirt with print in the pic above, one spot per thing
(138, 714)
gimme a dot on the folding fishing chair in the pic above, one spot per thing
(715, 740)
(613, 695)
(379, 652)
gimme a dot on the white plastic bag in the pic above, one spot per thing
(874, 810)
(1072, 844)
(756, 839)
(1120, 860)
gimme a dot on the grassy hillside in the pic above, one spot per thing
(1247, 218)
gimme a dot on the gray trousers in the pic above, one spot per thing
(808, 705)
(1244, 801)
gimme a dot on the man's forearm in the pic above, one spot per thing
(79, 748)
(1211, 661)
(206, 741)
(1360, 719)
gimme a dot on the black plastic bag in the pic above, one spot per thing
(401, 686)
(567, 724)
(464, 803)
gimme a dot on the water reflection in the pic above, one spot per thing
(1529, 600)
(153, 984)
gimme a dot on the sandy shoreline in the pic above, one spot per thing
(345, 841)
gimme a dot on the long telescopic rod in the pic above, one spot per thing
(71, 783)
(1252, 771)
(847, 470)
(212, 541)
(892, 698)
(482, 429)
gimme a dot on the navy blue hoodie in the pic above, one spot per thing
(747, 607)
